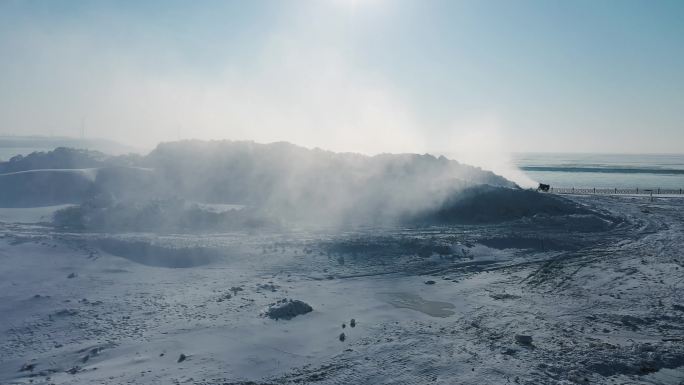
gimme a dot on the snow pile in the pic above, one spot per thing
(59, 158)
(44, 187)
(287, 309)
(312, 186)
(490, 204)
(67, 175)
(276, 183)
(287, 181)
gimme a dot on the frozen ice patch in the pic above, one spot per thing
(415, 302)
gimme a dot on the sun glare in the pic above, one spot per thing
(352, 4)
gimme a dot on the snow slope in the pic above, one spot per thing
(437, 304)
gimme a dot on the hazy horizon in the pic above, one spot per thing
(487, 77)
(141, 150)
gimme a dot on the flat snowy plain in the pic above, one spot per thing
(603, 303)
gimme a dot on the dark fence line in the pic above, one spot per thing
(617, 191)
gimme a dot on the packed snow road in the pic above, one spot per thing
(546, 300)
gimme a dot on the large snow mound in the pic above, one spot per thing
(312, 186)
(288, 180)
(489, 204)
(278, 183)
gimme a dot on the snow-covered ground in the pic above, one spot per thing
(542, 301)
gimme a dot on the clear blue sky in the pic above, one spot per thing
(364, 75)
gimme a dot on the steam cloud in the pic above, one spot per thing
(186, 186)
(302, 86)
